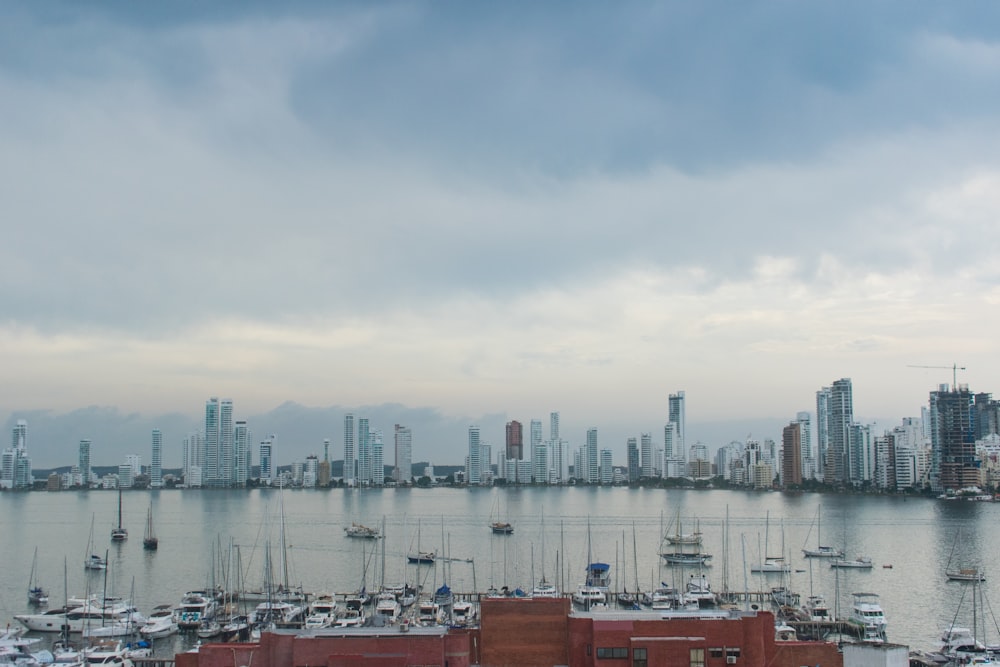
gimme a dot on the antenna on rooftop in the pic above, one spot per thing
(955, 368)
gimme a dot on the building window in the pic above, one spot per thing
(715, 652)
(613, 653)
(732, 652)
(638, 657)
(697, 657)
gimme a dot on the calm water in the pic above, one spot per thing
(915, 536)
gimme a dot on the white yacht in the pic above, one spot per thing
(353, 614)
(463, 613)
(92, 614)
(322, 613)
(195, 607)
(276, 613)
(772, 565)
(387, 607)
(699, 588)
(110, 654)
(160, 623)
(867, 613)
(861, 562)
(429, 613)
(816, 609)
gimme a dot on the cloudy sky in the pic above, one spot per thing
(453, 213)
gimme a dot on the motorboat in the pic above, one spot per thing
(663, 598)
(277, 614)
(860, 563)
(463, 613)
(92, 614)
(160, 623)
(108, 654)
(782, 596)
(699, 588)
(95, 562)
(322, 613)
(353, 614)
(387, 607)
(816, 609)
(866, 612)
(362, 531)
(194, 608)
(589, 596)
(544, 589)
(501, 528)
(429, 613)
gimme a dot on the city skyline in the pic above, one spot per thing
(479, 214)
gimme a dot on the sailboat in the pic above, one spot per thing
(821, 550)
(119, 533)
(36, 594)
(92, 561)
(544, 588)
(421, 557)
(496, 525)
(771, 564)
(959, 573)
(149, 540)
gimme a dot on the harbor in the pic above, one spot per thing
(317, 557)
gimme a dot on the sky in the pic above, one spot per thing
(449, 213)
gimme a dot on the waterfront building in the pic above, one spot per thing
(558, 451)
(515, 440)
(266, 467)
(862, 454)
(535, 435)
(822, 432)
(218, 454)
(699, 469)
(83, 462)
(837, 405)
(472, 470)
(364, 453)
(310, 472)
(885, 462)
(403, 439)
(350, 454)
(953, 464)
(607, 467)
(632, 451)
(791, 454)
(646, 455)
(241, 454)
(193, 447)
(156, 460)
(806, 453)
(377, 458)
(540, 465)
(591, 461)
(126, 476)
(15, 464)
(676, 416)
(193, 477)
(987, 415)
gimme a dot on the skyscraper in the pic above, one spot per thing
(84, 462)
(364, 452)
(536, 442)
(211, 472)
(472, 472)
(266, 470)
(591, 462)
(840, 416)
(607, 468)
(806, 455)
(227, 449)
(515, 440)
(350, 454)
(19, 435)
(646, 455)
(632, 449)
(15, 465)
(676, 403)
(553, 426)
(404, 455)
(791, 455)
(155, 460)
(822, 430)
(377, 465)
(953, 439)
(241, 449)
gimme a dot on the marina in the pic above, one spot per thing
(195, 527)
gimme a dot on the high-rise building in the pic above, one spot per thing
(515, 440)
(607, 473)
(15, 464)
(591, 461)
(156, 460)
(536, 442)
(646, 455)
(676, 416)
(350, 453)
(227, 449)
(632, 448)
(473, 469)
(885, 462)
(19, 435)
(212, 465)
(266, 469)
(791, 455)
(84, 463)
(377, 465)
(310, 472)
(553, 426)
(805, 432)
(404, 455)
(822, 430)
(954, 465)
(364, 452)
(241, 448)
(839, 417)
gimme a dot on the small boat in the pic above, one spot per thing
(95, 562)
(496, 525)
(429, 613)
(107, 653)
(195, 608)
(860, 563)
(362, 531)
(679, 538)
(119, 533)
(679, 558)
(149, 540)
(209, 629)
(816, 609)
(961, 573)
(322, 613)
(422, 557)
(387, 607)
(771, 565)
(353, 614)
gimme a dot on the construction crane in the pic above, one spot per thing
(955, 368)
